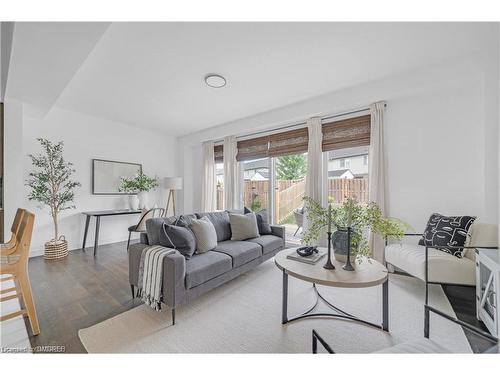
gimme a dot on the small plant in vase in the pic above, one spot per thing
(350, 219)
(50, 184)
(138, 186)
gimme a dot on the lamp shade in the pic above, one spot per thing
(172, 183)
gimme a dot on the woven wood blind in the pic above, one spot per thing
(219, 153)
(289, 142)
(254, 148)
(351, 132)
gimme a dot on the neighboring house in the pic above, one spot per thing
(255, 170)
(355, 159)
(341, 173)
(260, 175)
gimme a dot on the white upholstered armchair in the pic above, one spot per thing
(444, 268)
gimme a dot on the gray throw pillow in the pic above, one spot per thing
(262, 221)
(179, 238)
(204, 232)
(154, 228)
(244, 226)
(184, 220)
(220, 220)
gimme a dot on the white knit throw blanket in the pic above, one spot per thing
(151, 275)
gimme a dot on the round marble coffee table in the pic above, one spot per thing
(366, 274)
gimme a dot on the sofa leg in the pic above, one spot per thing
(132, 289)
(173, 317)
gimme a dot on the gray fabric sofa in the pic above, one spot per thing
(186, 279)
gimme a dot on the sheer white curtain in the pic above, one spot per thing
(208, 181)
(377, 172)
(314, 178)
(232, 181)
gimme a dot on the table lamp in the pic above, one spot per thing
(172, 184)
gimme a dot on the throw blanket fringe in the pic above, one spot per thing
(151, 275)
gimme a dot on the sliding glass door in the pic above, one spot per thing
(289, 188)
(256, 183)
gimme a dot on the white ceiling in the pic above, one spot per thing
(151, 74)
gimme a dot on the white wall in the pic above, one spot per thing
(13, 162)
(441, 131)
(86, 138)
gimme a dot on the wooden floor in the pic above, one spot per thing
(81, 290)
(78, 292)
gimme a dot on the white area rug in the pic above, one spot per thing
(244, 316)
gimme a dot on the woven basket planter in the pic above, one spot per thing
(56, 249)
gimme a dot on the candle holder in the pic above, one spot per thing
(329, 265)
(348, 266)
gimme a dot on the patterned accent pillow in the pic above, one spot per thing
(447, 231)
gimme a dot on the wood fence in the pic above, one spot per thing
(341, 188)
(291, 192)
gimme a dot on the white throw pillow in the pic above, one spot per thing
(244, 226)
(204, 232)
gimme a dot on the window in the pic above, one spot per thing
(345, 163)
(347, 170)
(219, 190)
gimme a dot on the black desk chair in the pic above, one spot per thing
(140, 227)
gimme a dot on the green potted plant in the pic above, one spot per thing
(138, 186)
(359, 217)
(50, 184)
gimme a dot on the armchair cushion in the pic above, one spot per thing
(443, 267)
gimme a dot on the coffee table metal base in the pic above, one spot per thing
(341, 314)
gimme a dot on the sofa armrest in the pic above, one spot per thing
(174, 271)
(278, 230)
(134, 259)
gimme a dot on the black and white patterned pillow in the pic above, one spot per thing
(447, 231)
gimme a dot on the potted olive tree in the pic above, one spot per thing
(139, 184)
(360, 217)
(51, 184)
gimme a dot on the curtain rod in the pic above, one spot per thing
(300, 123)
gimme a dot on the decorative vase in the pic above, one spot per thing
(341, 247)
(56, 249)
(143, 200)
(133, 202)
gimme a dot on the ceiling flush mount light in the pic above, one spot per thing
(215, 80)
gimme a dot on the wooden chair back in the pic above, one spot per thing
(24, 235)
(17, 221)
(15, 228)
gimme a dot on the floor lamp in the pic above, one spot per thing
(172, 184)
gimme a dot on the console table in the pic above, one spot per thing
(98, 215)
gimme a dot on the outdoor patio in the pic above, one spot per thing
(291, 239)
